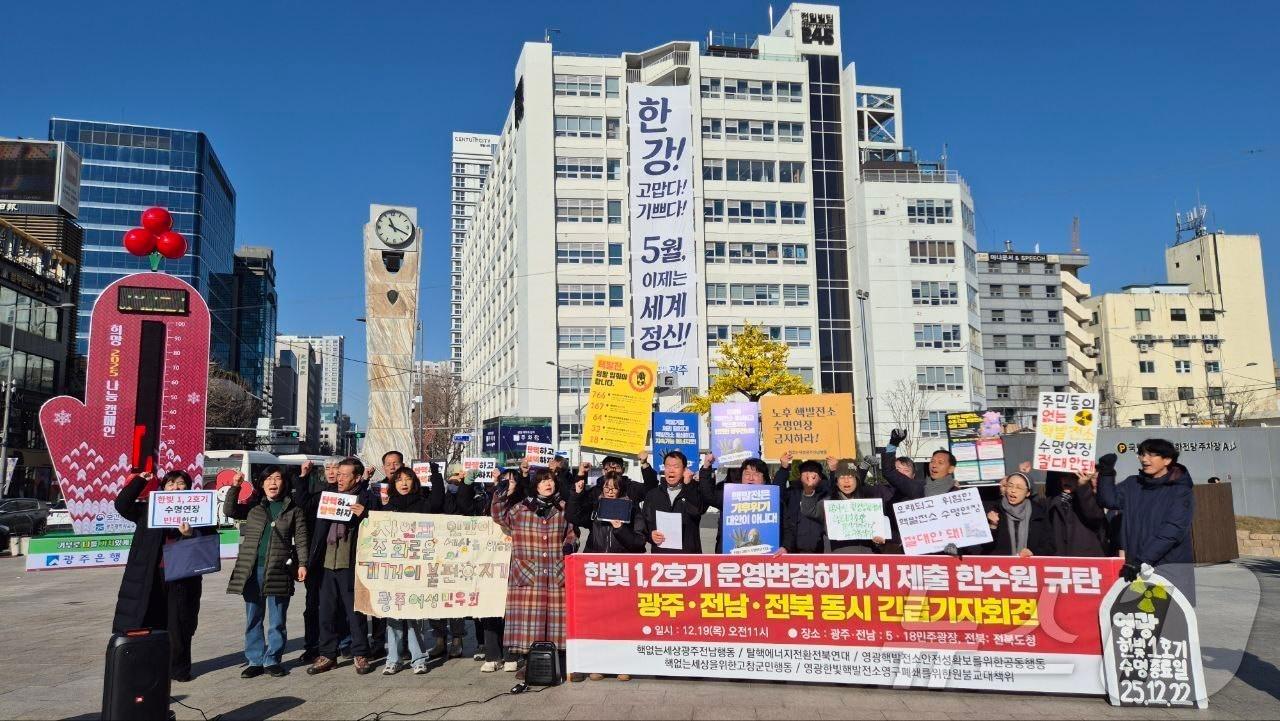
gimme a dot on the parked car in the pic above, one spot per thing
(59, 516)
(24, 516)
(4, 539)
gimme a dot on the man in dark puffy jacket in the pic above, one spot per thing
(1157, 506)
(1077, 521)
(804, 527)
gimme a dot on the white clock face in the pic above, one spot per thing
(394, 228)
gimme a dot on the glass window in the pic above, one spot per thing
(1182, 366)
(933, 252)
(613, 169)
(712, 128)
(617, 338)
(582, 337)
(1146, 366)
(615, 212)
(615, 296)
(1178, 314)
(933, 424)
(790, 171)
(579, 85)
(928, 211)
(940, 378)
(1142, 315)
(932, 292)
(611, 128)
(712, 169)
(615, 254)
(611, 86)
(713, 211)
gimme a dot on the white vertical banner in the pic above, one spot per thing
(664, 310)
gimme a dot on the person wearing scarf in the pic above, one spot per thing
(1019, 522)
(850, 486)
(404, 495)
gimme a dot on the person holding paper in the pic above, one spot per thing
(804, 528)
(273, 533)
(753, 471)
(635, 490)
(619, 528)
(849, 486)
(1019, 522)
(302, 490)
(145, 599)
(679, 498)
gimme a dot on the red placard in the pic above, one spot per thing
(985, 623)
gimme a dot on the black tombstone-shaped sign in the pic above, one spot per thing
(1151, 646)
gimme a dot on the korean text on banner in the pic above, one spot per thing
(170, 509)
(811, 426)
(415, 565)
(1066, 432)
(993, 623)
(735, 433)
(539, 455)
(676, 432)
(855, 519)
(750, 518)
(483, 467)
(929, 524)
(664, 303)
(619, 406)
(336, 506)
(976, 443)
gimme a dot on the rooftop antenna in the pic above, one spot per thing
(546, 34)
(770, 17)
(1192, 222)
(1075, 234)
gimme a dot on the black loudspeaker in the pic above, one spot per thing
(136, 683)
(542, 668)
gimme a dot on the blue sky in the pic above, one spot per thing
(1116, 112)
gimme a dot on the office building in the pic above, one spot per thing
(1195, 350)
(772, 246)
(284, 388)
(309, 390)
(329, 350)
(472, 156)
(1027, 332)
(129, 168)
(254, 320)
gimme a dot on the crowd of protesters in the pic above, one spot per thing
(547, 513)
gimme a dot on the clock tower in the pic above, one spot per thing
(392, 250)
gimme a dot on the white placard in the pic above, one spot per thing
(170, 509)
(927, 525)
(855, 519)
(669, 524)
(1066, 432)
(336, 506)
(539, 455)
(664, 303)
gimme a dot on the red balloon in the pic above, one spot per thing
(171, 244)
(157, 220)
(139, 241)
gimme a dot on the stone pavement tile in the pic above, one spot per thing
(725, 712)
(907, 715)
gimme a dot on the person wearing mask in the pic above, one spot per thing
(541, 534)
(676, 494)
(405, 496)
(273, 533)
(508, 489)
(301, 492)
(803, 522)
(145, 599)
(849, 486)
(1019, 522)
(611, 536)
(333, 557)
(942, 466)
(1156, 506)
(1078, 522)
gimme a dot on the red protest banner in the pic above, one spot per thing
(996, 623)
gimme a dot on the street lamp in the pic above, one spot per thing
(8, 382)
(578, 386)
(863, 296)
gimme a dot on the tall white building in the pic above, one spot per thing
(329, 356)
(775, 139)
(472, 155)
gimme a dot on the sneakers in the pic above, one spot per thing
(511, 666)
(362, 665)
(478, 656)
(275, 670)
(251, 672)
(321, 665)
(391, 669)
(489, 667)
(596, 676)
(419, 669)
(455, 648)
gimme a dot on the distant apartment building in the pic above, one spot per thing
(472, 156)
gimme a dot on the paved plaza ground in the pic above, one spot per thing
(56, 629)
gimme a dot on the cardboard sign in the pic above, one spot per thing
(676, 432)
(1151, 646)
(750, 519)
(482, 467)
(336, 506)
(928, 525)
(855, 519)
(735, 433)
(619, 405)
(810, 426)
(539, 455)
(1066, 432)
(171, 509)
(422, 469)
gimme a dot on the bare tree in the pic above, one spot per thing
(1238, 401)
(1111, 392)
(439, 414)
(907, 404)
(230, 404)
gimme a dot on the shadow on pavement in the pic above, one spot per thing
(1260, 674)
(265, 708)
(217, 663)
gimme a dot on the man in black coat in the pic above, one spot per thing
(677, 494)
(1078, 521)
(304, 490)
(803, 523)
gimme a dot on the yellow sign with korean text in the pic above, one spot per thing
(811, 426)
(618, 410)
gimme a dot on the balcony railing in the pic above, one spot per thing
(877, 175)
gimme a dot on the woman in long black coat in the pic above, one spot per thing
(1078, 521)
(145, 599)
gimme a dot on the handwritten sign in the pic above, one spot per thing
(483, 467)
(809, 426)
(750, 521)
(1151, 646)
(415, 565)
(735, 433)
(1067, 432)
(855, 519)
(928, 525)
(539, 455)
(336, 506)
(170, 509)
(619, 405)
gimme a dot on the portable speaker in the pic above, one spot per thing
(136, 683)
(542, 668)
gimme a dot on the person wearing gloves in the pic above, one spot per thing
(804, 527)
(1156, 506)
(675, 495)
(610, 536)
(405, 496)
(457, 499)
(1078, 522)
(942, 466)
(1019, 522)
(753, 471)
(849, 486)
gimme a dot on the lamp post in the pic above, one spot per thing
(8, 383)
(578, 386)
(863, 296)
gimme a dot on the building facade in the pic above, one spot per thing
(472, 156)
(1195, 350)
(329, 350)
(129, 168)
(1025, 324)
(308, 390)
(254, 311)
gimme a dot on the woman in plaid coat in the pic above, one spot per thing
(541, 534)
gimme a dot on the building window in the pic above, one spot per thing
(999, 341)
(997, 315)
(1051, 291)
(754, 294)
(761, 90)
(928, 211)
(751, 130)
(933, 424)
(749, 171)
(615, 296)
(582, 338)
(1028, 342)
(572, 381)
(1002, 366)
(940, 378)
(1023, 268)
(1002, 392)
(712, 128)
(790, 92)
(1151, 419)
(1056, 366)
(1179, 314)
(711, 87)
(795, 295)
(1024, 291)
(966, 217)
(1054, 316)
(1182, 366)
(1207, 314)
(790, 171)
(1185, 393)
(580, 168)
(712, 169)
(577, 253)
(581, 210)
(1146, 366)
(1026, 316)
(615, 254)
(1030, 367)
(612, 128)
(937, 335)
(574, 294)
(615, 212)
(1142, 315)
(798, 336)
(613, 169)
(790, 132)
(753, 211)
(1213, 366)
(717, 294)
(578, 85)
(714, 252)
(1055, 341)
(933, 252)
(617, 338)
(995, 291)
(792, 212)
(795, 254)
(713, 211)
(932, 292)
(578, 126)
(994, 266)
(1181, 341)
(611, 85)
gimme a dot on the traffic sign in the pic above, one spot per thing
(461, 437)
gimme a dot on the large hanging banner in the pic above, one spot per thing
(994, 623)
(420, 565)
(619, 406)
(144, 407)
(664, 303)
(1066, 432)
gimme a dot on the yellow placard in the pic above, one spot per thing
(619, 406)
(811, 426)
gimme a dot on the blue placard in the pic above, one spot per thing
(675, 432)
(461, 437)
(751, 518)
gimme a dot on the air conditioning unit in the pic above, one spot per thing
(1182, 336)
(1144, 347)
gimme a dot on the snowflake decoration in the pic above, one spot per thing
(193, 398)
(62, 418)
